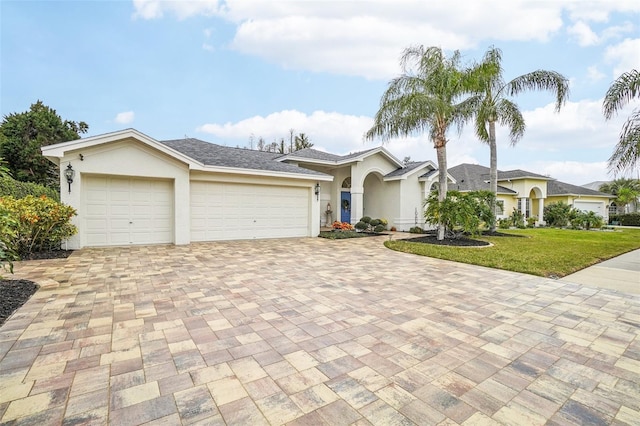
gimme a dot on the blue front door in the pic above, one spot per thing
(345, 207)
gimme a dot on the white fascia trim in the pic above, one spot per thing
(267, 173)
(405, 176)
(59, 150)
(449, 178)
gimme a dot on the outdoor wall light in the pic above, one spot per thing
(69, 173)
(317, 191)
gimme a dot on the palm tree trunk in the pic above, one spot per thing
(493, 172)
(441, 153)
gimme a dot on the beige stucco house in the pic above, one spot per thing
(529, 192)
(129, 188)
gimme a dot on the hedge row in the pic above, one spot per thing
(627, 219)
(10, 187)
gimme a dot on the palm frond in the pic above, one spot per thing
(625, 88)
(542, 80)
(626, 155)
(509, 115)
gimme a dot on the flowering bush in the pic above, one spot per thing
(7, 255)
(37, 223)
(342, 226)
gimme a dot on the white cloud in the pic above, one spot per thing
(125, 117)
(182, 9)
(624, 55)
(583, 33)
(574, 172)
(594, 74)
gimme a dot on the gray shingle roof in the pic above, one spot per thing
(314, 154)
(408, 167)
(519, 174)
(473, 177)
(555, 187)
(217, 155)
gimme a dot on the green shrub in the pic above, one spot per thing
(557, 214)
(40, 224)
(7, 233)
(626, 219)
(12, 188)
(383, 221)
(374, 223)
(361, 226)
(365, 219)
(504, 223)
(416, 230)
(460, 212)
(531, 222)
(379, 228)
(517, 219)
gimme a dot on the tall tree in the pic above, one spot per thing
(494, 105)
(626, 155)
(428, 96)
(23, 134)
(302, 141)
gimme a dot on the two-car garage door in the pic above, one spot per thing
(229, 211)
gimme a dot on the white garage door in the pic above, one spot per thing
(590, 206)
(122, 211)
(231, 211)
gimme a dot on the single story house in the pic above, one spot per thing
(129, 189)
(529, 192)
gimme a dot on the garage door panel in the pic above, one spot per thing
(223, 211)
(123, 211)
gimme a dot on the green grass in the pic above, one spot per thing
(545, 252)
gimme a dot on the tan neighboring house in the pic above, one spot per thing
(529, 192)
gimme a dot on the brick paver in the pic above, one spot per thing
(311, 331)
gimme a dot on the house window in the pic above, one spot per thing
(613, 209)
(346, 183)
(499, 207)
(524, 207)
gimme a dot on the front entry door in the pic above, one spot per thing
(345, 207)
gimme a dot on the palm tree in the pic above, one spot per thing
(427, 96)
(494, 105)
(626, 154)
(627, 191)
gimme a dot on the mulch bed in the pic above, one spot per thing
(15, 293)
(431, 238)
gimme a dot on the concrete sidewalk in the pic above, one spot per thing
(621, 273)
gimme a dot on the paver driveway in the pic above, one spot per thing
(311, 331)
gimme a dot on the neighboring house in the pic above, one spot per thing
(613, 207)
(129, 188)
(529, 192)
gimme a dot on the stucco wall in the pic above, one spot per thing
(126, 158)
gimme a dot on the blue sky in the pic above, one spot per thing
(224, 71)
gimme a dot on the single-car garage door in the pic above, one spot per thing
(229, 211)
(590, 206)
(126, 210)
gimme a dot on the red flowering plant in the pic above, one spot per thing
(342, 226)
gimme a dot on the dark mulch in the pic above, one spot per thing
(452, 242)
(430, 238)
(15, 293)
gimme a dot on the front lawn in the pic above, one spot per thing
(546, 252)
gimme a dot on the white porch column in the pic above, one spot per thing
(357, 204)
(541, 211)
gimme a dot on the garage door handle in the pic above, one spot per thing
(130, 223)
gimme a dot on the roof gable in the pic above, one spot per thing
(310, 155)
(473, 177)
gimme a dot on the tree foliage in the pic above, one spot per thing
(557, 214)
(460, 212)
(626, 154)
(627, 191)
(429, 96)
(23, 134)
(493, 103)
